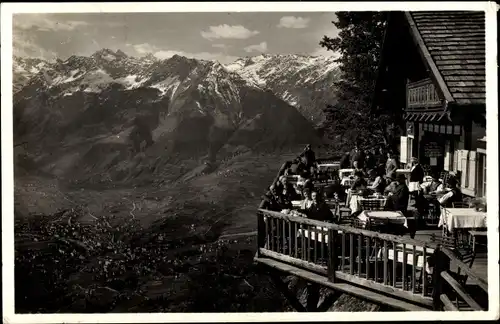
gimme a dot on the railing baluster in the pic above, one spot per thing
(386, 261)
(404, 263)
(413, 271)
(424, 273)
(309, 244)
(290, 253)
(351, 253)
(316, 237)
(284, 236)
(394, 264)
(296, 233)
(367, 257)
(343, 251)
(268, 237)
(323, 243)
(272, 232)
(375, 247)
(332, 258)
(278, 235)
(360, 243)
(303, 242)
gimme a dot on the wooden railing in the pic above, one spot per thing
(366, 258)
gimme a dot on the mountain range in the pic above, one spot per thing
(117, 115)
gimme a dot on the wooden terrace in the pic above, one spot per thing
(394, 271)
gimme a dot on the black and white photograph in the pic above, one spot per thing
(264, 158)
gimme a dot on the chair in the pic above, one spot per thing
(446, 241)
(377, 224)
(444, 211)
(472, 237)
(372, 204)
(466, 254)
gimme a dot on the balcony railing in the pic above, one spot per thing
(422, 94)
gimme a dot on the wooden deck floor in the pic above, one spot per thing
(480, 265)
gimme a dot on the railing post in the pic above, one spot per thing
(440, 262)
(261, 232)
(332, 255)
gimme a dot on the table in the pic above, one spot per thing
(343, 173)
(394, 217)
(458, 218)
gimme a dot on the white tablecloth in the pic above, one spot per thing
(395, 217)
(462, 218)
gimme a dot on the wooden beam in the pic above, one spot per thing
(394, 292)
(347, 288)
(448, 305)
(293, 261)
(329, 301)
(283, 288)
(312, 297)
(461, 291)
(427, 58)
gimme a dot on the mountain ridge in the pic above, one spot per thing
(114, 115)
(303, 81)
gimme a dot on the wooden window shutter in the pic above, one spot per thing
(455, 160)
(403, 150)
(447, 156)
(472, 171)
(464, 169)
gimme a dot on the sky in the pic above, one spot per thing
(212, 36)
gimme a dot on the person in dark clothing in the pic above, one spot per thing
(308, 157)
(379, 183)
(358, 156)
(359, 182)
(380, 159)
(399, 195)
(345, 161)
(319, 210)
(370, 162)
(416, 176)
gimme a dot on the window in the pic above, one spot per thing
(481, 175)
(484, 175)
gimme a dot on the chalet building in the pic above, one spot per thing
(432, 70)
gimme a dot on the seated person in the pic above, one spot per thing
(345, 161)
(453, 195)
(296, 168)
(307, 202)
(431, 184)
(290, 194)
(271, 201)
(319, 210)
(378, 185)
(359, 182)
(391, 184)
(357, 168)
(399, 195)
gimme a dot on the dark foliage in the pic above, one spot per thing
(351, 119)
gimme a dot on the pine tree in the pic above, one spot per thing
(351, 118)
